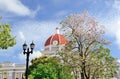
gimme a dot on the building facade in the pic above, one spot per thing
(10, 70)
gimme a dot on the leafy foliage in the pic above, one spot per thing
(6, 39)
(48, 68)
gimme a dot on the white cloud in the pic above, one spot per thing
(118, 60)
(33, 30)
(116, 4)
(14, 6)
(113, 29)
(35, 12)
(61, 13)
(35, 54)
(29, 30)
(22, 36)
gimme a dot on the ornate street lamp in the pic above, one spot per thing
(27, 52)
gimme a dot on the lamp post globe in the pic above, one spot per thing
(32, 45)
(24, 47)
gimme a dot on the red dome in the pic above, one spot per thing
(60, 39)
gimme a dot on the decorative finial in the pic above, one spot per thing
(57, 30)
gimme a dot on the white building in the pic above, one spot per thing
(10, 70)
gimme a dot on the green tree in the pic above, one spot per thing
(49, 68)
(6, 39)
(85, 52)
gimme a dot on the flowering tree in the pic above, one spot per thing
(85, 51)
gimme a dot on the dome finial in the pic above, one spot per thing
(57, 30)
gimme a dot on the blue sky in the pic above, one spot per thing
(36, 20)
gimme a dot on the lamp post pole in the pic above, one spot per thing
(27, 52)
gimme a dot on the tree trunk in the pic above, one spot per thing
(82, 76)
